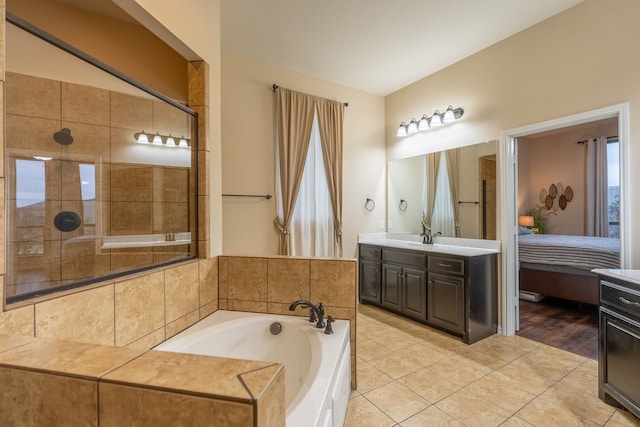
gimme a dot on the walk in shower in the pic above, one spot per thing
(99, 173)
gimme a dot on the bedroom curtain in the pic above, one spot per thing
(330, 120)
(453, 161)
(294, 119)
(432, 164)
(597, 223)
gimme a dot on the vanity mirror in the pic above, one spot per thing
(86, 197)
(407, 190)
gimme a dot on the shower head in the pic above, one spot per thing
(63, 136)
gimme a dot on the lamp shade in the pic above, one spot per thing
(423, 124)
(436, 120)
(525, 221)
(413, 126)
(448, 115)
(402, 130)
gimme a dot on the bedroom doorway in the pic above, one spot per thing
(508, 188)
(558, 296)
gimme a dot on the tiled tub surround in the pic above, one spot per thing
(141, 311)
(317, 365)
(271, 284)
(54, 382)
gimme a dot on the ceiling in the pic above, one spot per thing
(376, 46)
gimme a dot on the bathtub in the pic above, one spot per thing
(317, 365)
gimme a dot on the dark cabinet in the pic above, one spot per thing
(414, 303)
(391, 286)
(370, 281)
(370, 274)
(619, 348)
(457, 294)
(446, 302)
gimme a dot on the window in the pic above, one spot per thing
(613, 187)
(312, 229)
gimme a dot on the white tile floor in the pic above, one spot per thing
(411, 375)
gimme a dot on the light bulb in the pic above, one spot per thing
(435, 119)
(413, 126)
(424, 123)
(402, 130)
(448, 115)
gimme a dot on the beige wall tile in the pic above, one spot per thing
(270, 394)
(10, 341)
(68, 357)
(32, 96)
(247, 278)
(288, 279)
(333, 282)
(131, 218)
(139, 307)
(198, 81)
(208, 280)
(131, 183)
(131, 112)
(85, 104)
(84, 316)
(181, 291)
(31, 135)
(19, 321)
(208, 309)
(128, 406)
(251, 306)
(184, 372)
(90, 143)
(181, 323)
(29, 398)
(149, 341)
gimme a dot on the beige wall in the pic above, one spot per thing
(249, 154)
(580, 60)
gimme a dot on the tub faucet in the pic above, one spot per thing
(317, 312)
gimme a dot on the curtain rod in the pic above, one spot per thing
(266, 196)
(276, 87)
(609, 137)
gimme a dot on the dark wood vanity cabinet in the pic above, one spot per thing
(619, 348)
(455, 293)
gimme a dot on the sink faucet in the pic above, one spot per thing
(317, 312)
(427, 239)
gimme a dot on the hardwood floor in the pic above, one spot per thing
(562, 324)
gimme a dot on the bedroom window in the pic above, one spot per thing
(613, 187)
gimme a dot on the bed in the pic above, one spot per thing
(560, 266)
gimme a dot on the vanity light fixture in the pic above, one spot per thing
(160, 140)
(450, 115)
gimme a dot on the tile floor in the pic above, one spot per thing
(411, 375)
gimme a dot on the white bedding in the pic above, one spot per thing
(583, 252)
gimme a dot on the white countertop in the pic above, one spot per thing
(632, 276)
(442, 245)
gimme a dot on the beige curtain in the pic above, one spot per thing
(432, 166)
(597, 209)
(453, 161)
(330, 119)
(294, 118)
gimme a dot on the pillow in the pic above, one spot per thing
(524, 230)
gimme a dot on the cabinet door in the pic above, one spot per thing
(392, 286)
(446, 302)
(370, 287)
(414, 303)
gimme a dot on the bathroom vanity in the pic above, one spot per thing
(619, 338)
(448, 286)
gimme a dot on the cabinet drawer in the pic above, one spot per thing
(446, 265)
(621, 297)
(409, 259)
(370, 252)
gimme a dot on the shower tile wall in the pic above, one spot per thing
(130, 198)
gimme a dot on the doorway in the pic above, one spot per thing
(508, 154)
